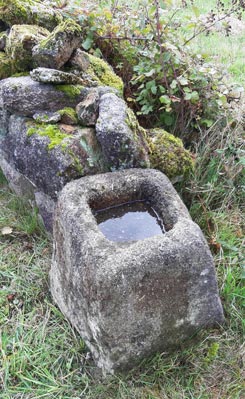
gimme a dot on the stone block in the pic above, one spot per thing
(129, 300)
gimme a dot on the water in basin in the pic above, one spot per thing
(130, 221)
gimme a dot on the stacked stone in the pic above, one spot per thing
(62, 115)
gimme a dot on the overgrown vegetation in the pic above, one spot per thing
(167, 82)
(41, 355)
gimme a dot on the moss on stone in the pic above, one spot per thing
(53, 132)
(139, 135)
(68, 27)
(168, 154)
(30, 12)
(7, 67)
(70, 113)
(19, 74)
(71, 91)
(20, 41)
(101, 72)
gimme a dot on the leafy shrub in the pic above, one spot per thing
(148, 44)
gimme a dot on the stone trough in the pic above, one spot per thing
(131, 299)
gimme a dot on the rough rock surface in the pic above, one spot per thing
(56, 50)
(47, 117)
(20, 41)
(121, 146)
(130, 301)
(48, 75)
(29, 12)
(94, 70)
(50, 155)
(88, 109)
(23, 96)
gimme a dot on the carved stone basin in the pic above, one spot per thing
(133, 298)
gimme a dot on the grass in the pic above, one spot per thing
(41, 356)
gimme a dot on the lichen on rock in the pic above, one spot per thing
(19, 44)
(29, 12)
(57, 48)
(54, 76)
(168, 154)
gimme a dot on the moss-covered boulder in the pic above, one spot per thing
(19, 44)
(57, 48)
(6, 66)
(95, 70)
(168, 154)
(31, 12)
(50, 155)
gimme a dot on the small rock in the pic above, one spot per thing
(88, 109)
(56, 50)
(54, 76)
(47, 117)
(68, 116)
(95, 69)
(19, 44)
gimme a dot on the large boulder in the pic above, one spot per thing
(19, 44)
(56, 50)
(123, 144)
(29, 12)
(95, 70)
(167, 153)
(130, 300)
(51, 155)
(24, 96)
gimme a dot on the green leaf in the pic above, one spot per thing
(154, 89)
(87, 44)
(165, 100)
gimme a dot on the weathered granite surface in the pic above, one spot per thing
(23, 96)
(49, 75)
(48, 164)
(130, 300)
(121, 146)
(57, 48)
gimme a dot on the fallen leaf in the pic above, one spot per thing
(6, 230)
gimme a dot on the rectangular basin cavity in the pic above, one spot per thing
(129, 221)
